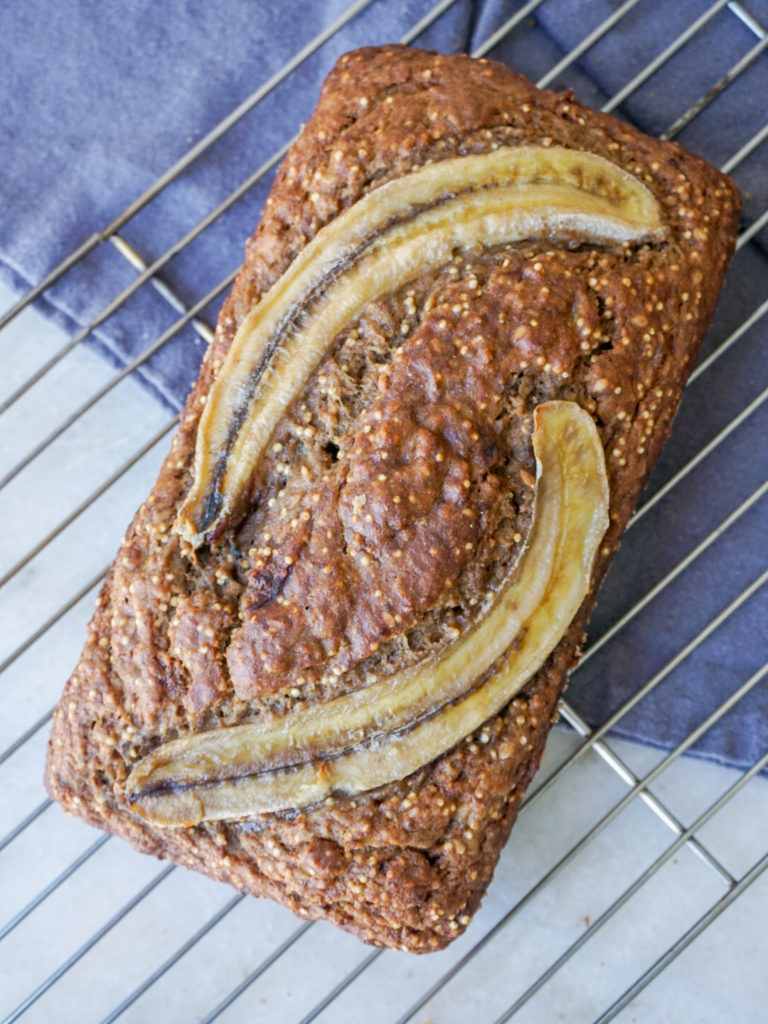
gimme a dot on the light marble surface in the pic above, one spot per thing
(720, 977)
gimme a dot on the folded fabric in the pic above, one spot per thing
(102, 97)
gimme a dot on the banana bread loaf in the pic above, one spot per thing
(325, 661)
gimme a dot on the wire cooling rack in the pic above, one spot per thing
(623, 857)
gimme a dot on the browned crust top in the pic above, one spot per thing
(173, 640)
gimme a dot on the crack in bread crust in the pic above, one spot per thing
(407, 865)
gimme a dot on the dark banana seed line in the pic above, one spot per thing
(623, 197)
(293, 760)
(229, 773)
(290, 324)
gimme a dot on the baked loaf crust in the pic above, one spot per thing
(443, 375)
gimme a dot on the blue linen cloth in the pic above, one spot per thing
(102, 96)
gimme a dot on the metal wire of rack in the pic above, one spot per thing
(230, 958)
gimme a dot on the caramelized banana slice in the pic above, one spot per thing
(383, 241)
(387, 730)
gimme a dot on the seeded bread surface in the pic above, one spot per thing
(444, 375)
